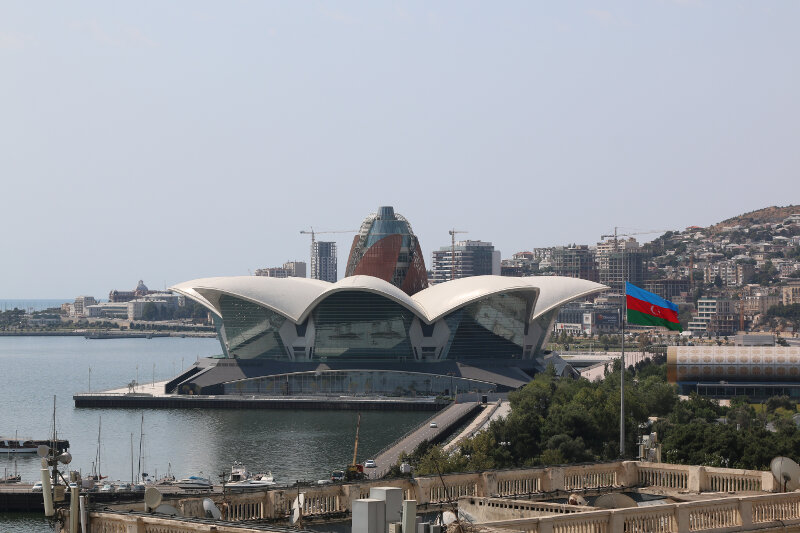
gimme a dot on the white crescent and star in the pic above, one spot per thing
(654, 311)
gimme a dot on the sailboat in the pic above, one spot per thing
(95, 476)
(138, 483)
(7, 478)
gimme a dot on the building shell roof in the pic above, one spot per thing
(295, 298)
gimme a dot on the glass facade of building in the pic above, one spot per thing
(367, 382)
(361, 325)
(491, 327)
(251, 330)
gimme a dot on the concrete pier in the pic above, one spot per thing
(152, 396)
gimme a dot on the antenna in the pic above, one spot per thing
(65, 458)
(211, 509)
(152, 499)
(787, 472)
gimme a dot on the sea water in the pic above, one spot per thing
(293, 444)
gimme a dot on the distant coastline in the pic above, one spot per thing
(35, 304)
(113, 334)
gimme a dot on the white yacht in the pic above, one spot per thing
(194, 482)
(240, 477)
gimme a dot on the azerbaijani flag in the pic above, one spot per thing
(648, 309)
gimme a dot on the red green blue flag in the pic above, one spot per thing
(648, 309)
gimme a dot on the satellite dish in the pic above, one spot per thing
(43, 450)
(65, 458)
(615, 500)
(211, 509)
(297, 506)
(166, 509)
(576, 499)
(152, 498)
(448, 517)
(787, 472)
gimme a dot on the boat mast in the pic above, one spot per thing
(141, 437)
(53, 447)
(99, 427)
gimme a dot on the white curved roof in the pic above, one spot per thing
(295, 298)
(288, 296)
(438, 300)
(368, 284)
(558, 290)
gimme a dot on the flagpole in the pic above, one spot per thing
(622, 363)
(622, 369)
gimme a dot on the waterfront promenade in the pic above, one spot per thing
(152, 396)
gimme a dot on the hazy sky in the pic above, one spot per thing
(167, 141)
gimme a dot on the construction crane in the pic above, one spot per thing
(314, 233)
(354, 470)
(615, 235)
(452, 233)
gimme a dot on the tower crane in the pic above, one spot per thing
(615, 235)
(452, 233)
(314, 233)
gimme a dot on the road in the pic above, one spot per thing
(444, 419)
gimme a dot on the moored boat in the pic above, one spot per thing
(240, 477)
(194, 482)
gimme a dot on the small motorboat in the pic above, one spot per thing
(194, 482)
(240, 477)
(262, 479)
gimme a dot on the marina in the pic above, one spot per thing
(295, 444)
